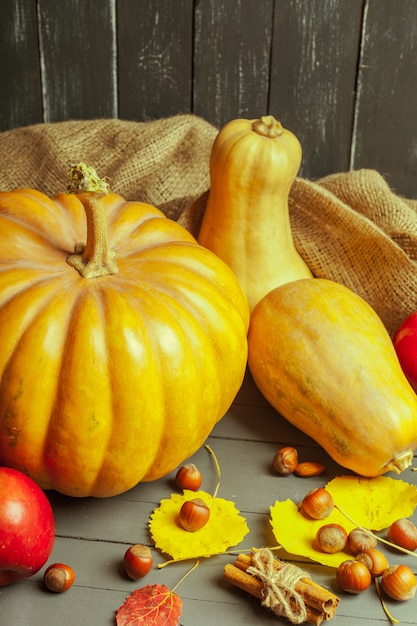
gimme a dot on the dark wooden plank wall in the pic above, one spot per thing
(340, 73)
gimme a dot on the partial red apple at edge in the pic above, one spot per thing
(405, 344)
(27, 527)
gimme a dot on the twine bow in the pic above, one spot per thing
(279, 586)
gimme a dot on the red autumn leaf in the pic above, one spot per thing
(152, 605)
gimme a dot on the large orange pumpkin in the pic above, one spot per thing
(115, 378)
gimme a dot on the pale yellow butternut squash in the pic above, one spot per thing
(246, 221)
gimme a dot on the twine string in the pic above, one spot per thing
(279, 591)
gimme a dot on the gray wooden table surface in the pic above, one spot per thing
(93, 534)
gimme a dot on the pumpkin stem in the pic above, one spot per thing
(94, 258)
(267, 126)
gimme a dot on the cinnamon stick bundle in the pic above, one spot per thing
(320, 604)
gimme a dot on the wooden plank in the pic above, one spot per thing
(92, 605)
(21, 102)
(313, 76)
(385, 137)
(154, 58)
(231, 59)
(258, 424)
(78, 59)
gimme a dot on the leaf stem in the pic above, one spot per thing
(384, 606)
(217, 468)
(196, 564)
(371, 534)
(181, 560)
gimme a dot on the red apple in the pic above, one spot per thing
(27, 527)
(405, 344)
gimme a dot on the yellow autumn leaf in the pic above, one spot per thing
(225, 528)
(373, 503)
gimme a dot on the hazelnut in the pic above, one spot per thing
(399, 582)
(353, 576)
(137, 561)
(58, 577)
(285, 460)
(189, 477)
(194, 514)
(331, 538)
(317, 504)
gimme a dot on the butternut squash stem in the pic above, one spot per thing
(267, 126)
(94, 258)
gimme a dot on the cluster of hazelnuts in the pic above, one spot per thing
(137, 560)
(356, 574)
(193, 515)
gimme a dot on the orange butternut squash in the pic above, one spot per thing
(324, 360)
(246, 222)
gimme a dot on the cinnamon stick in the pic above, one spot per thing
(320, 603)
(313, 594)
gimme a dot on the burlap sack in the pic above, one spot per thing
(353, 229)
(163, 162)
(348, 227)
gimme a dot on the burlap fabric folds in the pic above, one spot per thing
(349, 227)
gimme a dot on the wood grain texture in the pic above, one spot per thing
(313, 76)
(20, 79)
(77, 51)
(385, 134)
(155, 41)
(232, 43)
